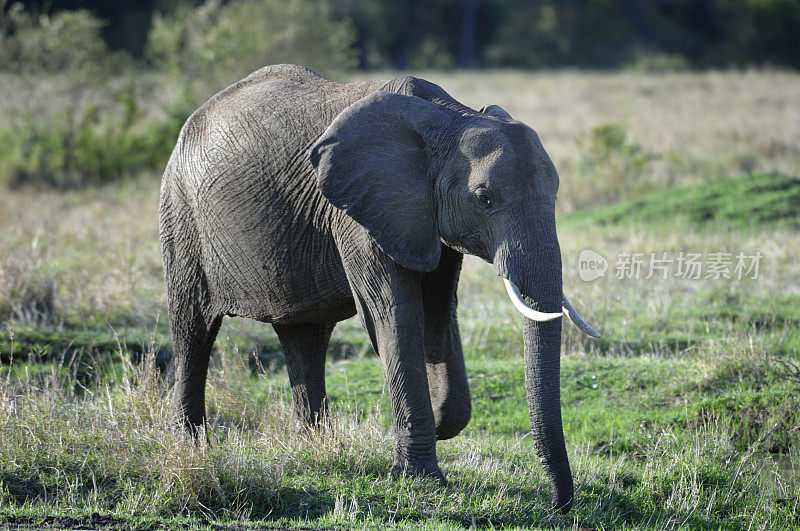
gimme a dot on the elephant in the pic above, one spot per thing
(298, 201)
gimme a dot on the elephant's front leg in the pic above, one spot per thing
(390, 306)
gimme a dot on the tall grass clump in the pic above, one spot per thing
(28, 291)
(115, 446)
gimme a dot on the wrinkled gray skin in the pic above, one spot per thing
(297, 201)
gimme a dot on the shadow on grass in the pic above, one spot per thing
(597, 506)
(74, 347)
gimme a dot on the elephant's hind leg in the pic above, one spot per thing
(193, 335)
(305, 346)
(194, 322)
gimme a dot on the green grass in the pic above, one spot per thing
(77, 355)
(710, 316)
(112, 452)
(656, 440)
(746, 202)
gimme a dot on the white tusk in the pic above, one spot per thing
(533, 315)
(524, 309)
(576, 318)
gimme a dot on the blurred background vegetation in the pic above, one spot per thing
(92, 67)
(471, 33)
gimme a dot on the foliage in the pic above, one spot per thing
(66, 42)
(437, 33)
(594, 33)
(71, 124)
(90, 150)
(658, 62)
(210, 46)
(408, 34)
(78, 123)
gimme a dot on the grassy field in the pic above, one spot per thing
(683, 415)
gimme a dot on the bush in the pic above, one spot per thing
(68, 42)
(91, 150)
(658, 63)
(64, 127)
(73, 122)
(211, 46)
(611, 167)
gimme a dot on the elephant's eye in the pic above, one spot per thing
(484, 198)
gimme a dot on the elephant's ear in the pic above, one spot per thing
(495, 110)
(373, 162)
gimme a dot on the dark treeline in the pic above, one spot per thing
(526, 33)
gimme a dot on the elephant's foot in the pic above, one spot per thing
(428, 468)
(312, 420)
(307, 427)
(192, 432)
(191, 421)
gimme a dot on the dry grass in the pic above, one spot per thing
(602, 300)
(99, 248)
(85, 255)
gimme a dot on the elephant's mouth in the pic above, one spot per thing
(535, 315)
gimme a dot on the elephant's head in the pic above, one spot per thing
(417, 174)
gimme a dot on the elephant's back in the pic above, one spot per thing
(278, 110)
(264, 228)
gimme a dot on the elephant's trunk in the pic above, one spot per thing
(537, 272)
(543, 388)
